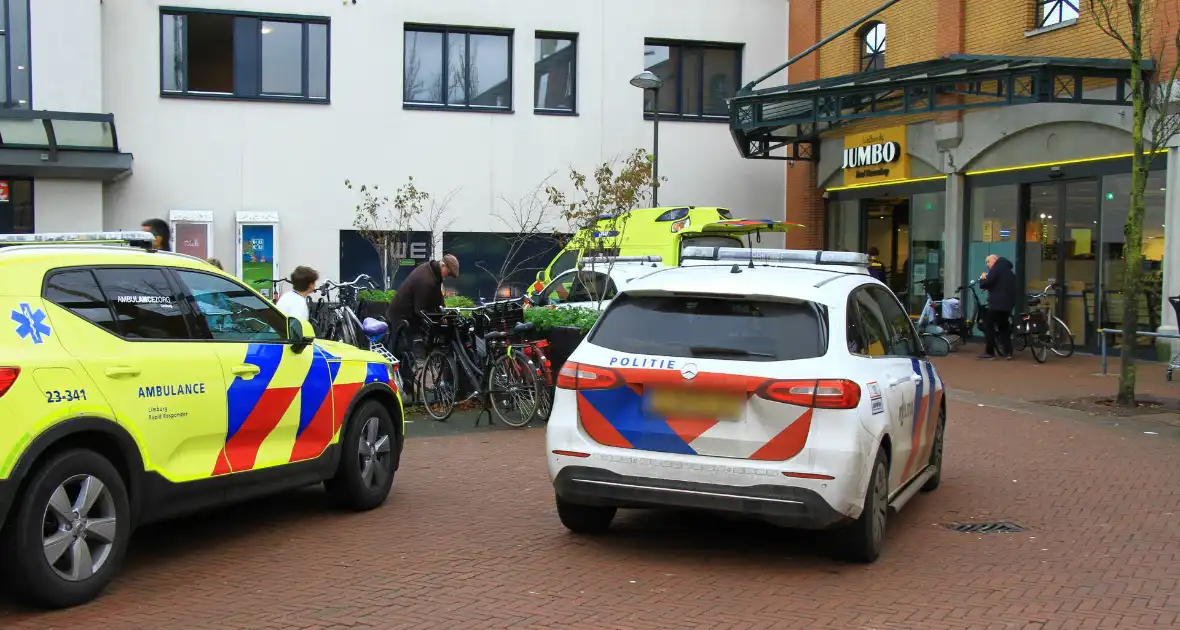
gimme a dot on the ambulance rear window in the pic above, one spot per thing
(714, 327)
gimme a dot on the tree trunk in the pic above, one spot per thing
(1133, 230)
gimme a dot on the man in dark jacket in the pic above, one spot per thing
(420, 292)
(876, 267)
(1000, 282)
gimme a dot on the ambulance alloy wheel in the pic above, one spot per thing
(69, 531)
(365, 473)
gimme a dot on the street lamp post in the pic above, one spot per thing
(647, 80)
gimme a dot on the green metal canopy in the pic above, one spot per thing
(68, 145)
(791, 118)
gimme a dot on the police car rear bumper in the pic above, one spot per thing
(786, 505)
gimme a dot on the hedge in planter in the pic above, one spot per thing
(546, 319)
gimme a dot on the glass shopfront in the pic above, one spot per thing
(905, 224)
(1068, 231)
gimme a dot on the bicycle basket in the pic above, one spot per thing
(499, 317)
(952, 309)
(1032, 324)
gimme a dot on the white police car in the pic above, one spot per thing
(785, 385)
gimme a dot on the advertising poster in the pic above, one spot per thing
(258, 246)
(193, 239)
(4, 191)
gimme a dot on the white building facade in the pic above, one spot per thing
(240, 120)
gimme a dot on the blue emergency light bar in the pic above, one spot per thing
(796, 256)
(607, 234)
(135, 239)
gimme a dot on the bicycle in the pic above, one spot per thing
(274, 283)
(497, 373)
(338, 321)
(1041, 330)
(534, 349)
(939, 316)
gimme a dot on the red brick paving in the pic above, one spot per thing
(1023, 378)
(470, 540)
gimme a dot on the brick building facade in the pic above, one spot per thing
(1043, 183)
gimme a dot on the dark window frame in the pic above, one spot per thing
(201, 326)
(467, 31)
(853, 310)
(255, 62)
(23, 59)
(1055, 9)
(738, 48)
(882, 295)
(572, 38)
(871, 57)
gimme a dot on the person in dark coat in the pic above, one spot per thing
(1000, 282)
(876, 267)
(420, 292)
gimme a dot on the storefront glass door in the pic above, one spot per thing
(927, 231)
(1061, 230)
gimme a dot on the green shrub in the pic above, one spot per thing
(548, 318)
(376, 295)
(458, 301)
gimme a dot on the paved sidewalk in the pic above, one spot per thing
(1023, 378)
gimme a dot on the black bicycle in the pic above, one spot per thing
(274, 283)
(337, 319)
(1040, 330)
(482, 364)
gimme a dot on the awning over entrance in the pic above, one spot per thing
(63, 145)
(791, 118)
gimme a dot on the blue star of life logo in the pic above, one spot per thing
(31, 323)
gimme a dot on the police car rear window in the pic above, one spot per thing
(720, 327)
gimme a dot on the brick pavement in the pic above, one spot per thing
(470, 539)
(1023, 378)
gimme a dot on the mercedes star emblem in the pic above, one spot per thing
(689, 371)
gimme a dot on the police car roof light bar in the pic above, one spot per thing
(804, 256)
(590, 260)
(134, 239)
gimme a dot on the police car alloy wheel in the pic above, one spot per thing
(936, 455)
(70, 531)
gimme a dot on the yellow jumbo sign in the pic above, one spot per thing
(876, 156)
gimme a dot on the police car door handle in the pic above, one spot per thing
(901, 381)
(121, 370)
(245, 370)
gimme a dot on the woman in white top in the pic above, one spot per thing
(294, 303)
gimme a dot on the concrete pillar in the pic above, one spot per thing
(1171, 284)
(956, 209)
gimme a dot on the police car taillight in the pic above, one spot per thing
(7, 378)
(577, 376)
(819, 393)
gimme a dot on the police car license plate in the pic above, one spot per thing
(687, 403)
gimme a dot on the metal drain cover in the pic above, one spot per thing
(994, 527)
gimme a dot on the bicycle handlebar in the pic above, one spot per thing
(329, 285)
(272, 281)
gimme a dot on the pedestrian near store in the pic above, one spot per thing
(293, 303)
(1000, 283)
(876, 267)
(421, 292)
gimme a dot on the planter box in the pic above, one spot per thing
(367, 308)
(563, 341)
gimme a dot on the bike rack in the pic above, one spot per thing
(1103, 332)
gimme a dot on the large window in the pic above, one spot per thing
(16, 206)
(254, 56)
(872, 46)
(232, 312)
(1116, 205)
(555, 85)
(1054, 12)
(15, 75)
(698, 78)
(457, 68)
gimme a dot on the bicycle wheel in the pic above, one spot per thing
(1061, 337)
(1019, 342)
(1039, 345)
(438, 385)
(512, 388)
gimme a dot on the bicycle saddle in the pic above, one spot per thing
(374, 327)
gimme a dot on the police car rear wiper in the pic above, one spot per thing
(737, 352)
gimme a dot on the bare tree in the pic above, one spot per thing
(386, 223)
(1155, 123)
(435, 219)
(525, 221)
(597, 210)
